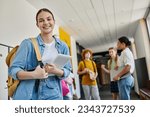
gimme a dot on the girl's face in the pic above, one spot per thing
(112, 53)
(87, 55)
(45, 22)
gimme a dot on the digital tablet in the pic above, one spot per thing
(61, 60)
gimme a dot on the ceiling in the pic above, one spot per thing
(96, 24)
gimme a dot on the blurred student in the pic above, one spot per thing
(112, 64)
(69, 83)
(87, 68)
(126, 62)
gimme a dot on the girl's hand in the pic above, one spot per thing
(40, 73)
(86, 70)
(50, 68)
(116, 78)
(102, 66)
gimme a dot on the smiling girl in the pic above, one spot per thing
(38, 83)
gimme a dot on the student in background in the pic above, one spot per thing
(69, 83)
(126, 60)
(112, 64)
(87, 68)
(38, 83)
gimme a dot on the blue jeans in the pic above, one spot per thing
(125, 86)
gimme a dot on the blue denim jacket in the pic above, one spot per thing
(25, 59)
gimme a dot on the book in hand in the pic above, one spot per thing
(114, 72)
(60, 60)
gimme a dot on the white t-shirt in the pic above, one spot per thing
(127, 58)
(50, 52)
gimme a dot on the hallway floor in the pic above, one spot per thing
(105, 93)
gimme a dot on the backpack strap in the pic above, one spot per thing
(92, 65)
(84, 63)
(37, 51)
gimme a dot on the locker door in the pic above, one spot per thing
(3, 73)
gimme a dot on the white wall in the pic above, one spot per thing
(75, 65)
(143, 43)
(136, 87)
(3, 74)
(17, 21)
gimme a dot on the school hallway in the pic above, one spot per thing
(83, 24)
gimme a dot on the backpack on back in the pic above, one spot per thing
(11, 83)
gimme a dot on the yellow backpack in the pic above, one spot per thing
(11, 83)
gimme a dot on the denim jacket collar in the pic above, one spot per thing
(41, 43)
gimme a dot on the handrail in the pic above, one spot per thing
(6, 46)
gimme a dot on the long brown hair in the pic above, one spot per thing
(116, 58)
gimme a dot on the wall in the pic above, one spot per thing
(3, 74)
(136, 87)
(142, 43)
(65, 37)
(18, 21)
(142, 46)
(75, 65)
